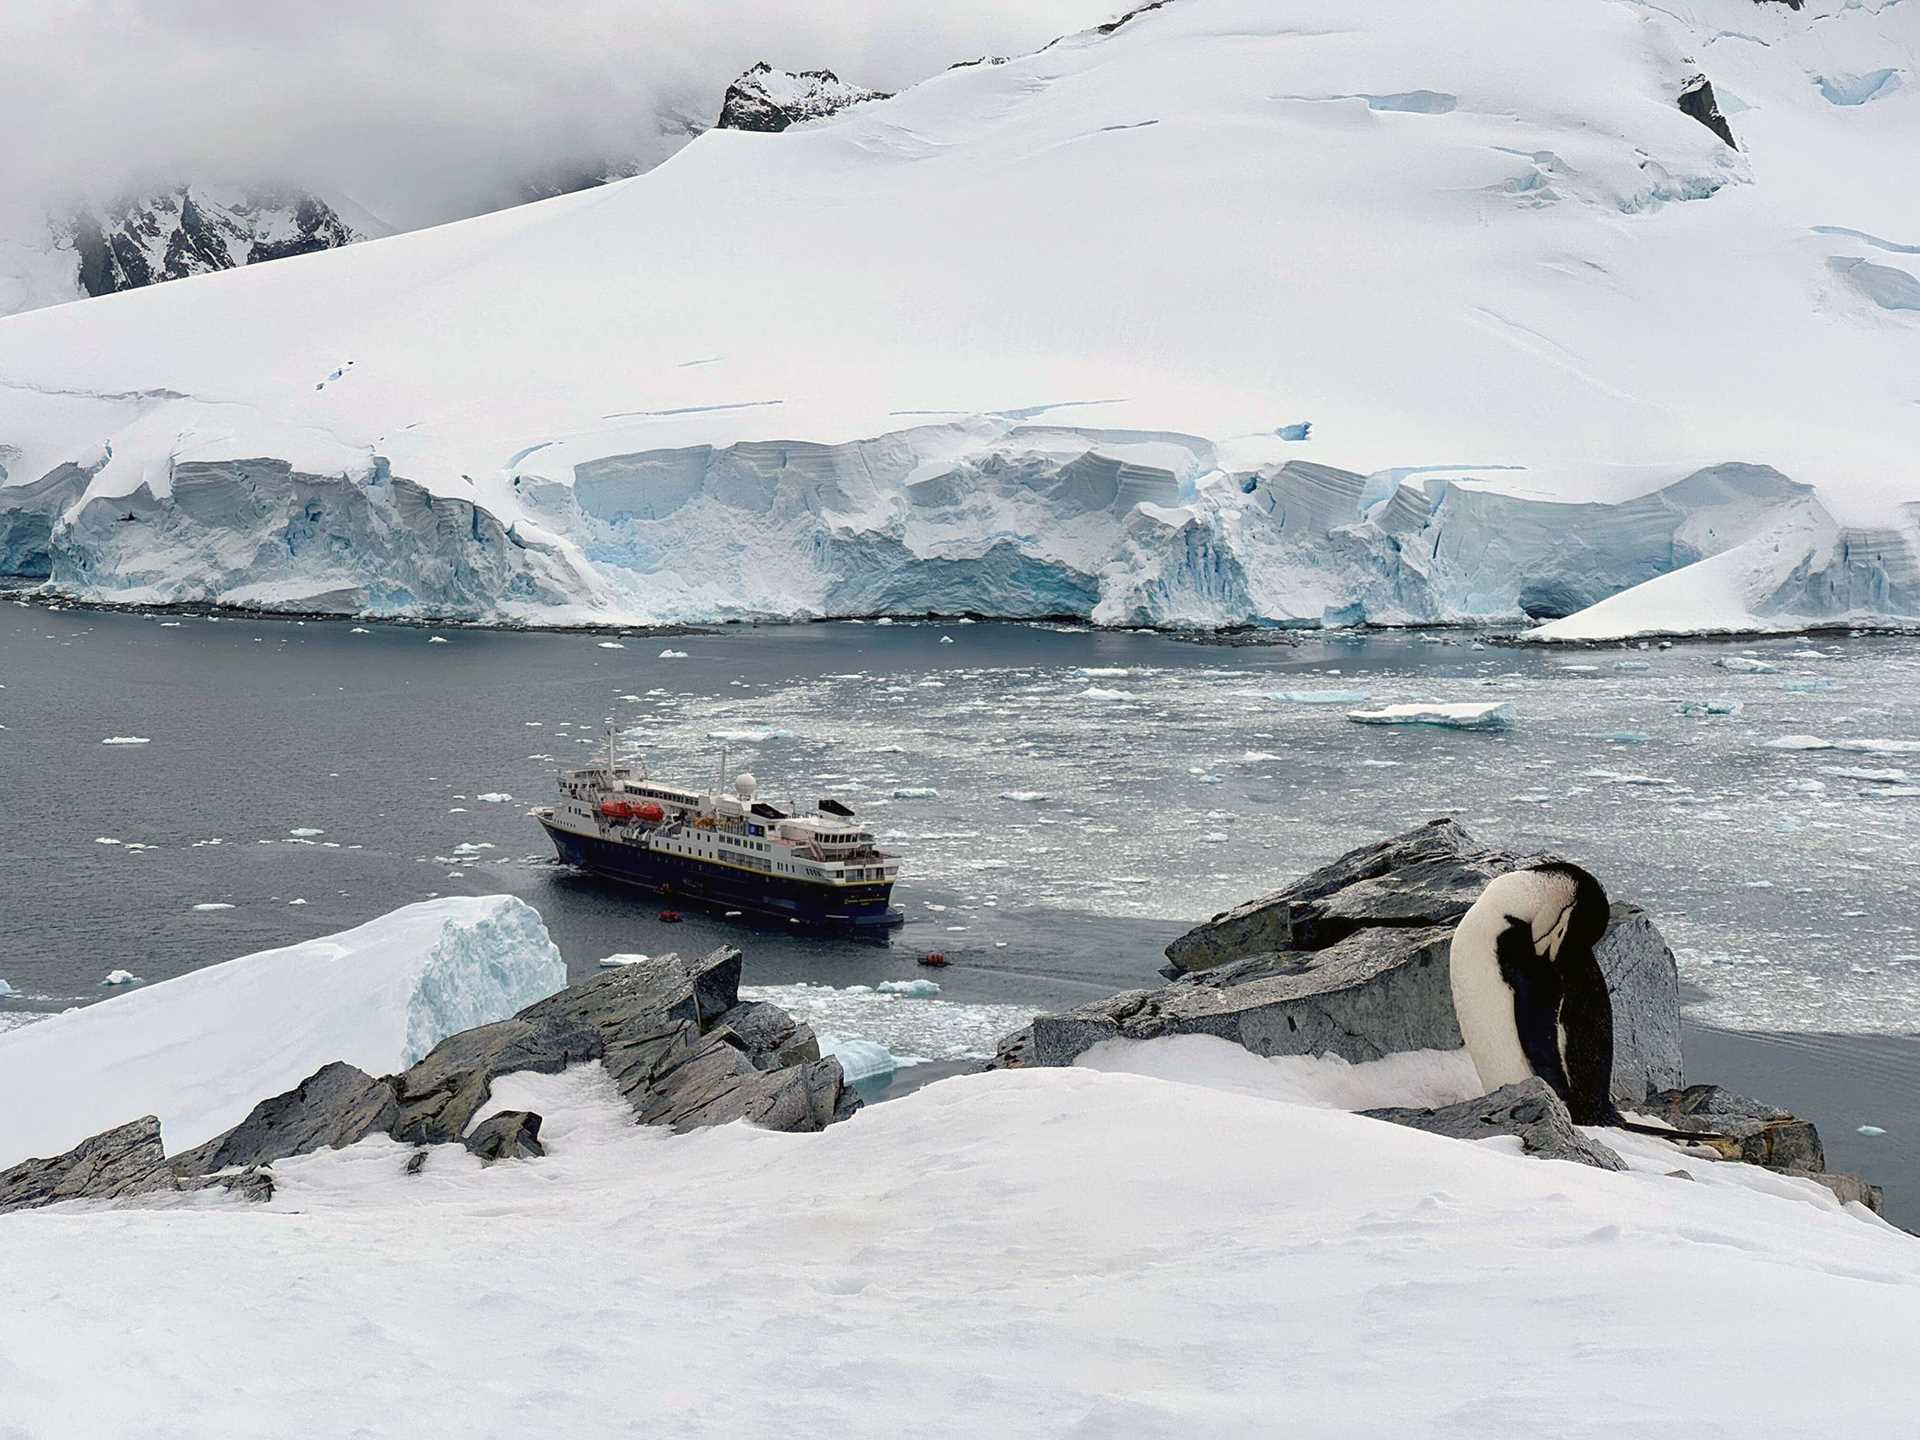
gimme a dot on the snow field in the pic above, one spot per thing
(1094, 1253)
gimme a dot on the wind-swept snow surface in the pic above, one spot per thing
(201, 1050)
(1047, 1253)
(1329, 311)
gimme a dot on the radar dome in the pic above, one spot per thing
(745, 786)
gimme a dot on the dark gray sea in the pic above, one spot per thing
(1066, 801)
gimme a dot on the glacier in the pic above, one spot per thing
(1570, 358)
(199, 1050)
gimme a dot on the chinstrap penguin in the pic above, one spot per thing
(1530, 995)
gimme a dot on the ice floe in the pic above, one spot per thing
(1451, 715)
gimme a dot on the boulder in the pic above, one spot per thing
(253, 1184)
(335, 1106)
(1529, 1110)
(507, 1135)
(126, 1160)
(1763, 1134)
(1376, 992)
(1352, 960)
(1426, 876)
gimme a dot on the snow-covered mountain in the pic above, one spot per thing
(1225, 311)
(188, 230)
(768, 99)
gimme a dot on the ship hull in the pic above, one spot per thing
(674, 877)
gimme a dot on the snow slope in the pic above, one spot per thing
(201, 1050)
(1044, 336)
(1040, 1253)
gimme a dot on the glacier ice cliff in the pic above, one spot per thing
(988, 516)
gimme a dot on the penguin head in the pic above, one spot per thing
(1584, 921)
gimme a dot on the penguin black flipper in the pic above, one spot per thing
(1535, 982)
(1588, 1045)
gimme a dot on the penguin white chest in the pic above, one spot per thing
(1483, 1002)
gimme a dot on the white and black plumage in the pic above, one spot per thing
(1528, 989)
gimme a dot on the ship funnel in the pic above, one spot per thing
(745, 786)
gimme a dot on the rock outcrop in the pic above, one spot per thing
(334, 1106)
(187, 230)
(1352, 960)
(673, 1034)
(768, 99)
(1697, 100)
(507, 1135)
(126, 1160)
(1529, 1110)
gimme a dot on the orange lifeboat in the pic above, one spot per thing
(649, 812)
(616, 809)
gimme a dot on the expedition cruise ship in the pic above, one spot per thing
(734, 851)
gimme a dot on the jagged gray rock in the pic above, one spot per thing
(1374, 993)
(672, 1034)
(507, 1135)
(438, 1098)
(767, 99)
(1765, 1134)
(126, 1160)
(335, 1106)
(1529, 1110)
(1697, 99)
(1429, 875)
(1352, 960)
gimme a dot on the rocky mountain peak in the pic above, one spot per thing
(768, 99)
(191, 230)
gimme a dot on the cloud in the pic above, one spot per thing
(426, 110)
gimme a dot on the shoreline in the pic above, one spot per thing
(1498, 632)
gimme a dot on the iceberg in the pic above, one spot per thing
(1710, 707)
(909, 989)
(1745, 665)
(1322, 697)
(868, 1065)
(200, 1049)
(1860, 747)
(1449, 715)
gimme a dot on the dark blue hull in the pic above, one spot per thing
(726, 887)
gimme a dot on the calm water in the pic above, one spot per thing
(1066, 801)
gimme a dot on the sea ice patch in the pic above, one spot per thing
(1450, 715)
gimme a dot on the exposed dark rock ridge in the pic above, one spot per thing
(177, 232)
(334, 1106)
(1696, 99)
(1529, 1110)
(767, 99)
(673, 1034)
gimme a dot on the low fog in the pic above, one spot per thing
(427, 110)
